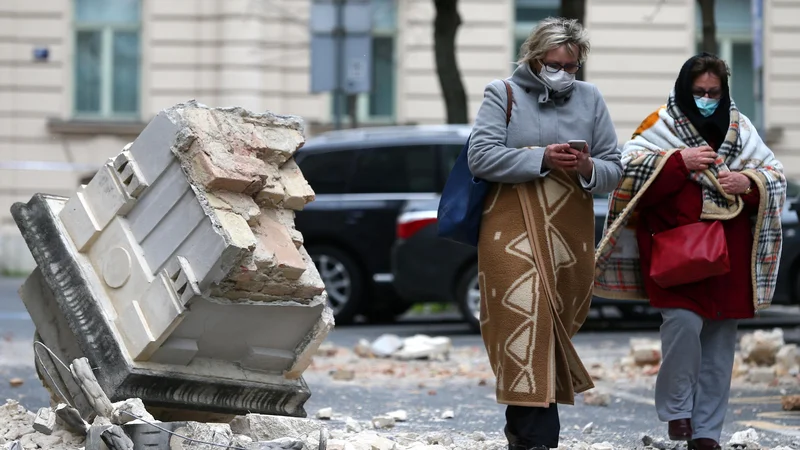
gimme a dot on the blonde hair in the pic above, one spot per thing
(551, 33)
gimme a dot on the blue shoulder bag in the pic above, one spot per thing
(461, 205)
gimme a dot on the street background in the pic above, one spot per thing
(79, 79)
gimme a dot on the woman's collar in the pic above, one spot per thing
(526, 78)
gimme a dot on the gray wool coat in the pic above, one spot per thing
(539, 118)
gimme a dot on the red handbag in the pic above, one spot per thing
(689, 253)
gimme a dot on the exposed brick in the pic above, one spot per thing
(241, 204)
(297, 190)
(271, 195)
(213, 177)
(237, 228)
(275, 248)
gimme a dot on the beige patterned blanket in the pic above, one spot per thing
(536, 265)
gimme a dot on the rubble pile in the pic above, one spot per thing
(415, 347)
(643, 360)
(178, 272)
(416, 359)
(261, 432)
(763, 358)
(174, 285)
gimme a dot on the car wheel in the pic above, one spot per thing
(343, 280)
(468, 295)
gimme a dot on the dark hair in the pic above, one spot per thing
(707, 63)
(714, 127)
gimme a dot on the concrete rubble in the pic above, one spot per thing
(262, 432)
(790, 402)
(415, 347)
(763, 358)
(745, 439)
(174, 288)
(178, 273)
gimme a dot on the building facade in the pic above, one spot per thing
(80, 78)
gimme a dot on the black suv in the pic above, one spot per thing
(363, 178)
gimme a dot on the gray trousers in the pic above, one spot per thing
(696, 369)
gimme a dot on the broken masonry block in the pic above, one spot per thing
(170, 276)
(82, 373)
(115, 438)
(297, 190)
(71, 419)
(45, 421)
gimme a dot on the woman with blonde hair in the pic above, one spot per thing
(694, 226)
(536, 238)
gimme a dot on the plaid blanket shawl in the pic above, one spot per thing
(618, 272)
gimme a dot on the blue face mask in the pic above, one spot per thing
(706, 105)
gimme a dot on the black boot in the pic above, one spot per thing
(532, 428)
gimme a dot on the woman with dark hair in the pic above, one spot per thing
(694, 225)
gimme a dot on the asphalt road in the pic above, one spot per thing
(630, 414)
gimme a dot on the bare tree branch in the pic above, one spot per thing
(651, 17)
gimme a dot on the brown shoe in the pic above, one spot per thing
(680, 430)
(704, 444)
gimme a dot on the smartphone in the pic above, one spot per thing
(577, 144)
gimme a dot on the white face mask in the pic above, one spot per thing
(558, 81)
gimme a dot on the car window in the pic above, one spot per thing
(450, 153)
(400, 169)
(327, 172)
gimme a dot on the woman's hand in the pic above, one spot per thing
(557, 156)
(733, 183)
(698, 158)
(585, 164)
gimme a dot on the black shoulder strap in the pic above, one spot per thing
(509, 101)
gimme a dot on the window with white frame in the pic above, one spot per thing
(527, 14)
(107, 58)
(735, 46)
(379, 104)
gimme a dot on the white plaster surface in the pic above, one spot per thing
(191, 268)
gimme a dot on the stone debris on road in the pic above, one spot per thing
(790, 402)
(747, 439)
(416, 347)
(763, 359)
(761, 347)
(377, 361)
(325, 414)
(16, 382)
(383, 422)
(436, 361)
(597, 397)
(400, 415)
(255, 431)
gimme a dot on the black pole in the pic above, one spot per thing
(338, 94)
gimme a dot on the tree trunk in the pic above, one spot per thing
(709, 26)
(352, 105)
(575, 9)
(445, 27)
